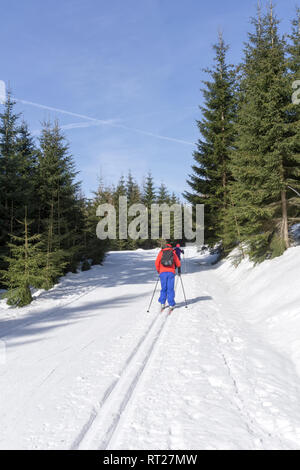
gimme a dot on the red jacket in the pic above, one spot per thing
(163, 269)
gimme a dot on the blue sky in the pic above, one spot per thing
(122, 66)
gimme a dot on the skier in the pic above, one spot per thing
(178, 251)
(166, 262)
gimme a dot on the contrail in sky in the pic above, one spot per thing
(108, 122)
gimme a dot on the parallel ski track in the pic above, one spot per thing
(108, 425)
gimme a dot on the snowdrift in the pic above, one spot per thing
(268, 296)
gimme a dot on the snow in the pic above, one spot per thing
(270, 297)
(86, 367)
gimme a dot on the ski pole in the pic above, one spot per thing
(176, 283)
(153, 294)
(183, 292)
(184, 263)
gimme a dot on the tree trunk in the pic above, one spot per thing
(284, 224)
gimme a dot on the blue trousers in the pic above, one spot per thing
(167, 288)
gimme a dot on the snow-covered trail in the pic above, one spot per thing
(213, 382)
(87, 367)
(62, 355)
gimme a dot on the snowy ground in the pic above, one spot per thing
(85, 366)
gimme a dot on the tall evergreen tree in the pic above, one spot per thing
(94, 249)
(121, 190)
(134, 197)
(163, 195)
(10, 178)
(149, 191)
(211, 174)
(149, 198)
(133, 190)
(267, 146)
(58, 200)
(28, 158)
(293, 52)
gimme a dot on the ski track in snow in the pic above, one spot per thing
(95, 434)
(98, 372)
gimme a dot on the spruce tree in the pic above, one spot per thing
(149, 191)
(176, 219)
(27, 153)
(134, 197)
(211, 174)
(266, 158)
(163, 195)
(58, 196)
(248, 191)
(121, 190)
(94, 249)
(24, 266)
(293, 51)
(149, 198)
(10, 170)
(132, 190)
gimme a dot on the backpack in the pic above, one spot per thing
(167, 258)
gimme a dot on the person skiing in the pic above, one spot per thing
(166, 263)
(178, 251)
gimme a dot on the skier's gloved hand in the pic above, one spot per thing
(179, 270)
